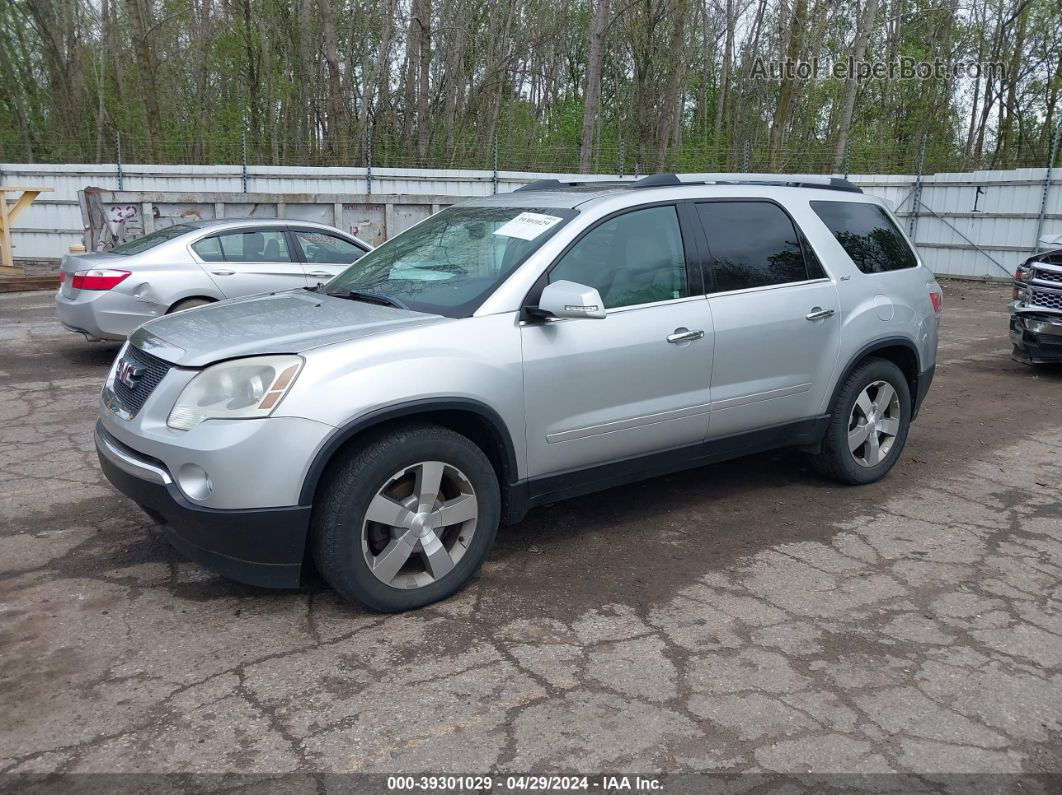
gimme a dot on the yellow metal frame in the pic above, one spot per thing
(8, 214)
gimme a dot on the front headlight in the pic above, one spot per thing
(240, 389)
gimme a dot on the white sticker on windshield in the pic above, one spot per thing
(527, 226)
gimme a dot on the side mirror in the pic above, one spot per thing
(571, 300)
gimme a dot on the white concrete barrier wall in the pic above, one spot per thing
(977, 225)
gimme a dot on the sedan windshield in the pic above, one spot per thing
(449, 263)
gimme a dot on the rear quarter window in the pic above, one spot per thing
(867, 234)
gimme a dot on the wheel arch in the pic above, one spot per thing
(899, 350)
(202, 295)
(471, 418)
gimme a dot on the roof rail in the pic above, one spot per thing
(786, 180)
(556, 184)
(541, 184)
(673, 180)
(658, 181)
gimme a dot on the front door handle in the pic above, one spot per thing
(223, 273)
(818, 313)
(684, 335)
(320, 274)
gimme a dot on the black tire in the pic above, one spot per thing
(353, 482)
(835, 460)
(189, 303)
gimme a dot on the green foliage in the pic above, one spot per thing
(514, 72)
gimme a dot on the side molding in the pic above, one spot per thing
(529, 494)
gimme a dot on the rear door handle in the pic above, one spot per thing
(223, 273)
(818, 313)
(320, 274)
(684, 335)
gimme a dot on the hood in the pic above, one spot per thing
(288, 322)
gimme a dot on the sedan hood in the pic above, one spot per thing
(288, 322)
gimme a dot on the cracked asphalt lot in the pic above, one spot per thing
(747, 616)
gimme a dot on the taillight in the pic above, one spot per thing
(62, 276)
(938, 301)
(99, 279)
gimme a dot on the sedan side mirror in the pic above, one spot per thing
(571, 300)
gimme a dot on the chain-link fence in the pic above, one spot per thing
(502, 153)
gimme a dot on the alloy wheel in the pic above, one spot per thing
(874, 423)
(419, 525)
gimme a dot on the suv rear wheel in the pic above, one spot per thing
(868, 426)
(406, 519)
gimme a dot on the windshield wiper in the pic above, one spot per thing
(371, 298)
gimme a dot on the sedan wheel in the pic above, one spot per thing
(874, 424)
(419, 525)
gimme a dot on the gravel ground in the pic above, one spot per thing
(742, 617)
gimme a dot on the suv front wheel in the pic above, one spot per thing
(870, 417)
(406, 519)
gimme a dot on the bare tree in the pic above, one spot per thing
(592, 95)
(851, 87)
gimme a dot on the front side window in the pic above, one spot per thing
(325, 249)
(634, 258)
(150, 241)
(266, 246)
(867, 235)
(449, 263)
(752, 244)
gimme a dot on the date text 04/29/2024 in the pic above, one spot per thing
(523, 783)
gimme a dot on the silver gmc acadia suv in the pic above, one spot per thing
(513, 351)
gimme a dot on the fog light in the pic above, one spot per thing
(194, 481)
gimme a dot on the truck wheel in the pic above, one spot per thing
(869, 420)
(406, 519)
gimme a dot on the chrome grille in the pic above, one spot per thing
(1049, 300)
(153, 371)
(1047, 276)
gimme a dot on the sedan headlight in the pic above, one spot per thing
(240, 389)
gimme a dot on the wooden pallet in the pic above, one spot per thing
(15, 283)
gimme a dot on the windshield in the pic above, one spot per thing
(449, 263)
(152, 240)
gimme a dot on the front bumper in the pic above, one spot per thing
(104, 314)
(1037, 338)
(263, 547)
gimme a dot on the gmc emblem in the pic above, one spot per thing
(129, 373)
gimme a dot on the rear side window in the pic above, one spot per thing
(752, 244)
(265, 246)
(867, 234)
(209, 250)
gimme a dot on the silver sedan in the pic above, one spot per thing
(107, 295)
